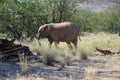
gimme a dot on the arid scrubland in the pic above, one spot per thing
(83, 64)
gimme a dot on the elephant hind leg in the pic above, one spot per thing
(75, 43)
(69, 45)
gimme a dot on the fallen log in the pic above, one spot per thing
(105, 52)
(15, 50)
(10, 49)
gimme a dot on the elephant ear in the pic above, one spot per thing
(48, 27)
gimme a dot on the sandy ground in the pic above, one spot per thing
(104, 68)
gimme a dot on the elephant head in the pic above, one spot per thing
(44, 31)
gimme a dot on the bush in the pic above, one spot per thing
(108, 20)
(83, 54)
(49, 57)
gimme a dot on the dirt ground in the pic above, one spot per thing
(104, 68)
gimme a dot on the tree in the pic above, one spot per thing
(21, 18)
(61, 10)
(114, 21)
(81, 19)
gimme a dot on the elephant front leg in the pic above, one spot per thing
(55, 39)
(75, 43)
(50, 44)
(56, 44)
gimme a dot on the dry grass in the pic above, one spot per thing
(49, 57)
(30, 78)
(88, 42)
(23, 62)
(101, 40)
(85, 48)
(83, 54)
(52, 56)
(65, 57)
(89, 74)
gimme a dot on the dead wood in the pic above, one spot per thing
(105, 52)
(17, 49)
(8, 48)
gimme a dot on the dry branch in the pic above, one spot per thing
(105, 52)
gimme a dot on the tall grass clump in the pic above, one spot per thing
(49, 57)
(66, 56)
(23, 62)
(83, 54)
(54, 56)
(89, 74)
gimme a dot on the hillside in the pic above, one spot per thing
(97, 5)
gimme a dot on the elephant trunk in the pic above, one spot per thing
(39, 43)
(38, 38)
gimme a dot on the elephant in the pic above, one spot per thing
(56, 32)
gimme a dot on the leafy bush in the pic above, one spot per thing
(113, 24)
(108, 20)
(21, 19)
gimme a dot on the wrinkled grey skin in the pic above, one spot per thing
(56, 32)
